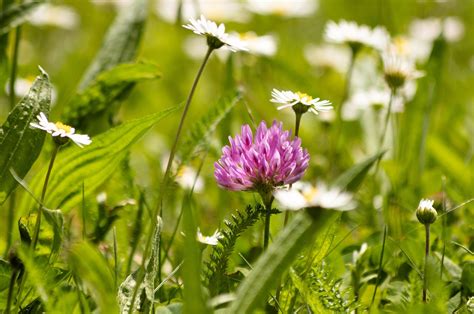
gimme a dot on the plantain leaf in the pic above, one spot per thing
(280, 254)
(352, 178)
(121, 41)
(91, 267)
(200, 132)
(20, 145)
(92, 165)
(102, 95)
(15, 15)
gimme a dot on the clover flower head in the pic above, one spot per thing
(60, 132)
(262, 162)
(303, 195)
(354, 35)
(209, 240)
(398, 70)
(300, 102)
(216, 35)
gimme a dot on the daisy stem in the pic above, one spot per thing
(387, 119)
(43, 193)
(347, 86)
(159, 207)
(267, 202)
(427, 253)
(379, 273)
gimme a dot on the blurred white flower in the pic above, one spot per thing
(54, 15)
(286, 8)
(264, 45)
(451, 28)
(410, 48)
(289, 99)
(186, 177)
(398, 70)
(216, 35)
(355, 35)
(60, 130)
(23, 85)
(356, 255)
(303, 194)
(336, 57)
(218, 10)
(209, 240)
(118, 4)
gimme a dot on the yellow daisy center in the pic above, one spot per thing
(64, 127)
(401, 45)
(310, 194)
(304, 96)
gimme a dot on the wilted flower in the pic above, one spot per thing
(303, 195)
(209, 240)
(261, 163)
(286, 8)
(425, 212)
(398, 70)
(216, 35)
(54, 15)
(60, 132)
(355, 35)
(300, 102)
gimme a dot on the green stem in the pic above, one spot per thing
(14, 68)
(10, 291)
(386, 120)
(43, 193)
(379, 273)
(267, 200)
(347, 87)
(427, 253)
(166, 175)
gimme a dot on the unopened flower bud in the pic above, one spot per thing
(425, 212)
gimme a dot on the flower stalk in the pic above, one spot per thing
(43, 194)
(427, 253)
(267, 199)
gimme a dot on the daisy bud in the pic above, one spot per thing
(425, 212)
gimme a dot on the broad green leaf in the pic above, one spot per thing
(5, 274)
(193, 296)
(467, 277)
(352, 178)
(121, 41)
(93, 164)
(152, 270)
(90, 266)
(16, 15)
(20, 144)
(301, 231)
(105, 92)
(201, 131)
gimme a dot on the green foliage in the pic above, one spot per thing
(19, 143)
(301, 231)
(90, 266)
(215, 274)
(5, 273)
(15, 15)
(101, 98)
(200, 133)
(93, 164)
(120, 43)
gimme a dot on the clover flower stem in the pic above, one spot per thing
(427, 253)
(267, 202)
(159, 208)
(43, 194)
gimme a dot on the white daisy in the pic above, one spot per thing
(285, 8)
(60, 131)
(185, 178)
(210, 240)
(398, 70)
(303, 194)
(336, 57)
(259, 45)
(356, 35)
(216, 35)
(425, 212)
(305, 102)
(54, 15)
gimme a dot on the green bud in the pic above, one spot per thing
(425, 212)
